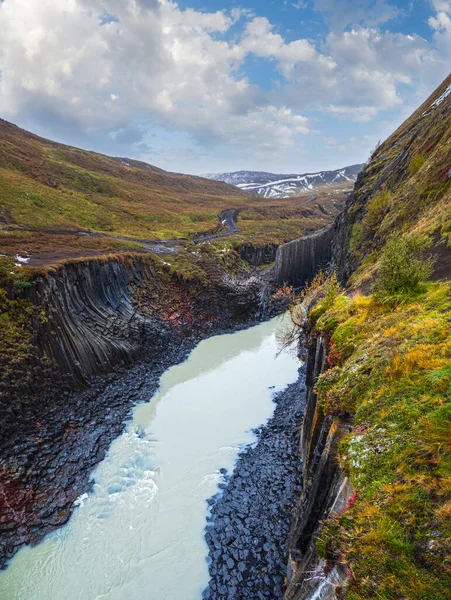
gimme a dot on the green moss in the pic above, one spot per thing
(392, 370)
(377, 207)
(18, 321)
(357, 237)
(417, 163)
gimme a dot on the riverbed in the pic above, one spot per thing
(140, 532)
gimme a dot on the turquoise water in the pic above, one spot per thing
(139, 534)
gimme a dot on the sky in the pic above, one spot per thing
(204, 86)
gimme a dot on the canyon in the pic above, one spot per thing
(96, 340)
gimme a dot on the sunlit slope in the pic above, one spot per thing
(406, 187)
(48, 191)
(48, 185)
(389, 340)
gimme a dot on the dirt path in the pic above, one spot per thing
(227, 222)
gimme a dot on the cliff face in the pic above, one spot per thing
(405, 187)
(102, 315)
(299, 260)
(388, 404)
(94, 322)
(326, 491)
(261, 255)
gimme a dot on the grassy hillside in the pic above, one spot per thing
(406, 187)
(49, 192)
(51, 186)
(389, 338)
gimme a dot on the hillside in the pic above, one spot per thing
(406, 187)
(380, 411)
(49, 193)
(45, 185)
(271, 185)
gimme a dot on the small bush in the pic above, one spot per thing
(417, 163)
(331, 292)
(357, 237)
(403, 266)
(376, 209)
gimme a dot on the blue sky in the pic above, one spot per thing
(206, 86)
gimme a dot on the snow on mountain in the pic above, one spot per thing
(270, 185)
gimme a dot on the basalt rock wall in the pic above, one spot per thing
(101, 315)
(94, 320)
(258, 255)
(326, 490)
(299, 260)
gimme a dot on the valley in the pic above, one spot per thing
(58, 202)
(164, 432)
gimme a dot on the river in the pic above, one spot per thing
(140, 533)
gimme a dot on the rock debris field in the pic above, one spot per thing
(249, 521)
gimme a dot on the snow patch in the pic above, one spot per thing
(21, 260)
(443, 97)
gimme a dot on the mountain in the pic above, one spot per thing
(271, 185)
(46, 184)
(405, 188)
(376, 436)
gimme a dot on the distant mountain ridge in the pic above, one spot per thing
(272, 185)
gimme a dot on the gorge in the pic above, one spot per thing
(146, 513)
(225, 469)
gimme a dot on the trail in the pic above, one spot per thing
(227, 226)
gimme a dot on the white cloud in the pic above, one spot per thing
(442, 5)
(356, 75)
(441, 24)
(102, 66)
(259, 39)
(152, 59)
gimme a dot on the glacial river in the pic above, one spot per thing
(139, 535)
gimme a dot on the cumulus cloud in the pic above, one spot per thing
(356, 74)
(102, 66)
(147, 58)
(441, 24)
(442, 5)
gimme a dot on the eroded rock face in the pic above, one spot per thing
(100, 319)
(326, 491)
(102, 314)
(299, 260)
(257, 256)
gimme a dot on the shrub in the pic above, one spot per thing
(331, 292)
(376, 209)
(357, 237)
(417, 163)
(403, 266)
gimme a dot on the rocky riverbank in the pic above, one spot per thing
(97, 320)
(249, 523)
(49, 459)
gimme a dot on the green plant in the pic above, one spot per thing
(403, 266)
(390, 367)
(357, 237)
(417, 163)
(331, 291)
(376, 209)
